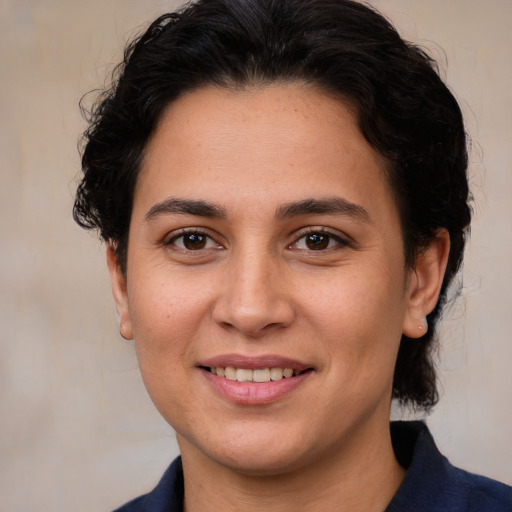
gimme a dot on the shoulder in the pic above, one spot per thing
(167, 496)
(485, 494)
(432, 484)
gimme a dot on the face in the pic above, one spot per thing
(265, 285)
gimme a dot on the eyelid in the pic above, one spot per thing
(342, 239)
(171, 237)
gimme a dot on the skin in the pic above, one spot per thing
(258, 286)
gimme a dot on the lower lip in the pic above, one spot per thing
(254, 393)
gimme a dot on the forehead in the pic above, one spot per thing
(259, 145)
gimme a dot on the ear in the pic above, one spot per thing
(424, 284)
(119, 291)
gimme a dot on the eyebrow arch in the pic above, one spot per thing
(174, 205)
(329, 205)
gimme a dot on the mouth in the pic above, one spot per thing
(255, 380)
(259, 375)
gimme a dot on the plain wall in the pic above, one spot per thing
(77, 429)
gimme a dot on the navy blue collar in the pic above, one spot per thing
(432, 484)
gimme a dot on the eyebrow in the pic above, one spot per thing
(173, 205)
(330, 206)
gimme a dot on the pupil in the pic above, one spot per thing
(194, 241)
(317, 241)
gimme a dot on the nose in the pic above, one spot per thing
(255, 298)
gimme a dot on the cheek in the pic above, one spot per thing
(359, 316)
(164, 325)
(165, 320)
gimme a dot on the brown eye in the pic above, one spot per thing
(317, 241)
(193, 241)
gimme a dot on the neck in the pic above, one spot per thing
(362, 477)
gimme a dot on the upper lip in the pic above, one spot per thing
(254, 362)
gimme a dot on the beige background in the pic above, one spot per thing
(77, 430)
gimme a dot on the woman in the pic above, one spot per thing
(282, 188)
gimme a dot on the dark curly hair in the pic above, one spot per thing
(403, 108)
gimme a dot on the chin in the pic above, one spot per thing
(255, 455)
(260, 462)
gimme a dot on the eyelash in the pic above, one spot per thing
(199, 232)
(324, 234)
(203, 235)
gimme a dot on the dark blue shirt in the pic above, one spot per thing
(431, 484)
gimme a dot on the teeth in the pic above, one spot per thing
(276, 373)
(230, 373)
(243, 375)
(287, 372)
(259, 375)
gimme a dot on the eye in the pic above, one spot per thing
(193, 241)
(317, 241)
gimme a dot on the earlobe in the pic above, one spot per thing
(425, 284)
(119, 292)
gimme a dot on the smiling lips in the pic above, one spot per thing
(257, 375)
(251, 381)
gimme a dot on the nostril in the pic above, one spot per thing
(226, 325)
